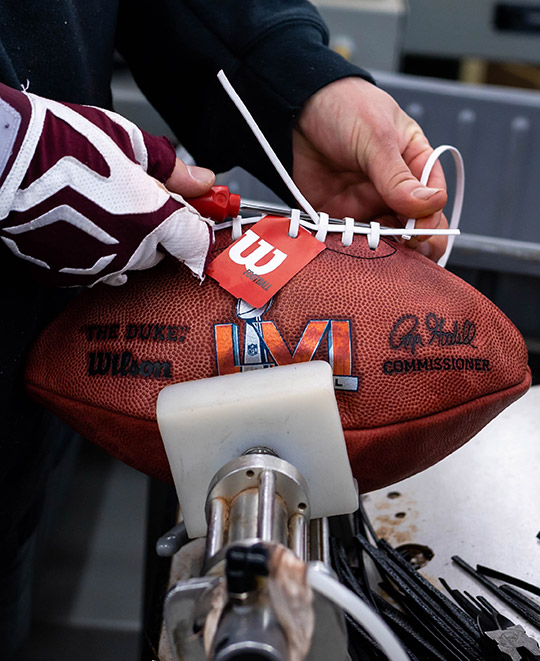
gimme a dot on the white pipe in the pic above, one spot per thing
(359, 610)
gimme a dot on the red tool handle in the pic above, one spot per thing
(219, 203)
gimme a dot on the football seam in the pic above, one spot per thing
(339, 252)
(33, 386)
(367, 259)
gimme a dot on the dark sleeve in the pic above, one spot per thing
(274, 52)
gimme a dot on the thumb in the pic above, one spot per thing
(400, 189)
(190, 180)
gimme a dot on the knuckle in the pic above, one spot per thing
(399, 178)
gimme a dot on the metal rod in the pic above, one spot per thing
(325, 541)
(282, 210)
(315, 540)
(267, 490)
(243, 516)
(298, 535)
(171, 542)
(216, 527)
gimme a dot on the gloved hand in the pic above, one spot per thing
(80, 198)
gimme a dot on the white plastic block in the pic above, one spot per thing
(291, 409)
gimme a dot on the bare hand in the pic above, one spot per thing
(356, 153)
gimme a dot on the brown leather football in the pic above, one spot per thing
(422, 361)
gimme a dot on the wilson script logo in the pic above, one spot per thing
(255, 343)
(125, 363)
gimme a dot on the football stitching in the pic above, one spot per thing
(339, 252)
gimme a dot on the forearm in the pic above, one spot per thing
(274, 52)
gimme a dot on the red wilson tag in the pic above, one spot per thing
(263, 259)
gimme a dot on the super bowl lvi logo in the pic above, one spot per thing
(256, 343)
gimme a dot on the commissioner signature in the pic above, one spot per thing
(407, 333)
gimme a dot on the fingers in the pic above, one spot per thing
(435, 221)
(402, 191)
(396, 183)
(431, 246)
(190, 180)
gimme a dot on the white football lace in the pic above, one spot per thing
(320, 222)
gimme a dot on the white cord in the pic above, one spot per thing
(359, 228)
(348, 232)
(295, 223)
(458, 200)
(236, 232)
(359, 610)
(267, 148)
(323, 227)
(321, 221)
(374, 236)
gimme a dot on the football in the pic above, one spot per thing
(421, 360)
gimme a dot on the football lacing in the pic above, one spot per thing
(321, 223)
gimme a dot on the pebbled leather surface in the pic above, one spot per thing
(431, 358)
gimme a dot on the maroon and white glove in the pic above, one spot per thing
(80, 198)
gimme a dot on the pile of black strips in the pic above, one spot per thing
(428, 623)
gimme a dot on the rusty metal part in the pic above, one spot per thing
(255, 501)
(256, 497)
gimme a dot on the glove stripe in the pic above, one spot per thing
(28, 258)
(135, 135)
(23, 158)
(110, 193)
(98, 267)
(20, 104)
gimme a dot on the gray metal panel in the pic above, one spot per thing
(504, 255)
(369, 32)
(498, 132)
(461, 28)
